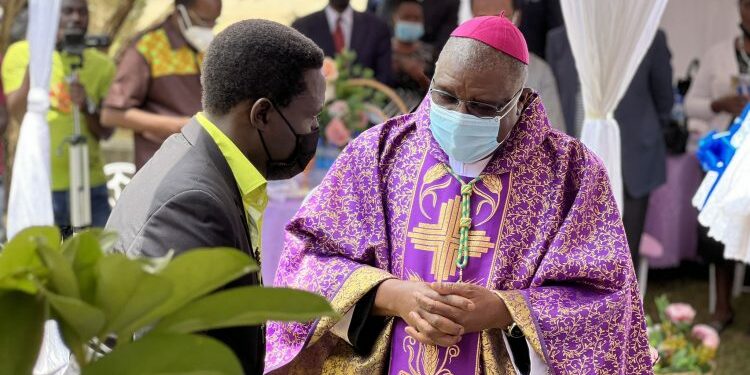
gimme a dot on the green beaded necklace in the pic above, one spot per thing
(467, 189)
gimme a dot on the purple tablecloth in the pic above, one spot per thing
(278, 214)
(671, 219)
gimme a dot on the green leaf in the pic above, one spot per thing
(246, 306)
(126, 293)
(107, 239)
(196, 273)
(156, 264)
(61, 276)
(84, 251)
(19, 260)
(168, 354)
(85, 320)
(21, 326)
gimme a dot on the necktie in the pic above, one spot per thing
(338, 36)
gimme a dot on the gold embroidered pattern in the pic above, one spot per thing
(495, 359)
(359, 282)
(435, 173)
(495, 186)
(521, 314)
(333, 356)
(442, 240)
(425, 361)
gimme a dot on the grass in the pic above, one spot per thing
(689, 284)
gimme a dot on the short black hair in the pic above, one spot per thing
(399, 2)
(255, 59)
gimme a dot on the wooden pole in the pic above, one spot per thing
(11, 9)
(118, 17)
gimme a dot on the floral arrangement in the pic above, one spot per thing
(677, 345)
(345, 113)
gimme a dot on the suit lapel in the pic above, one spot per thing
(202, 141)
(359, 30)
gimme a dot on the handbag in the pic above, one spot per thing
(675, 132)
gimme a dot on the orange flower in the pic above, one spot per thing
(330, 70)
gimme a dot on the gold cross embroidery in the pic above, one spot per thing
(442, 240)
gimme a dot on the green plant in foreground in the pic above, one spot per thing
(97, 296)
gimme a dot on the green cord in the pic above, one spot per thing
(467, 189)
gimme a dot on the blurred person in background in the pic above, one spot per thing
(440, 18)
(86, 91)
(540, 78)
(338, 27)
(642, 114)
(538, 18)
(157, 87)
(411, 57)
(718, 94)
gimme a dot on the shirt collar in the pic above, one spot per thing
(176, 39)
(249, 180)
(332, 15)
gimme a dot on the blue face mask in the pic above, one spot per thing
(464, 137)
(408, 31)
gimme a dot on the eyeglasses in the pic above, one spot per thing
(478, 109)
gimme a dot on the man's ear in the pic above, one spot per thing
(524, 100)
(259, 112)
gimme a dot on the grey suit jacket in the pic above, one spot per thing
(186, 197)
(642, 112)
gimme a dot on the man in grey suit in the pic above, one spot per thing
(205, 187)
(642, 114)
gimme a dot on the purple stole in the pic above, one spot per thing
(430, 255)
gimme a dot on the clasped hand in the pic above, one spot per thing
(440, 313)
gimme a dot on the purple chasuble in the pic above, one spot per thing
(546, 235)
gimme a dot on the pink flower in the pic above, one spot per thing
(338, 108)
(654, 354)
(708, 336)
(680, 313)
(337, 133)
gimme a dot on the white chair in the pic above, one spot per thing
(118, 175)
(650, 248)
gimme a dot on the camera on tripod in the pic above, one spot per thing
(75, 41)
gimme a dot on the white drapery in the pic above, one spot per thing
(608, 39)
(30, 195)
(30, 201)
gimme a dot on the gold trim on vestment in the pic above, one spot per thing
(521, 315)
(495, 357)
(355, 287)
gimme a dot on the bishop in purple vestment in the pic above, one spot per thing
(465, 238)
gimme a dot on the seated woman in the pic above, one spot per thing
(412, 59)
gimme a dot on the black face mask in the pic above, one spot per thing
(745, 31)
(304, 151)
